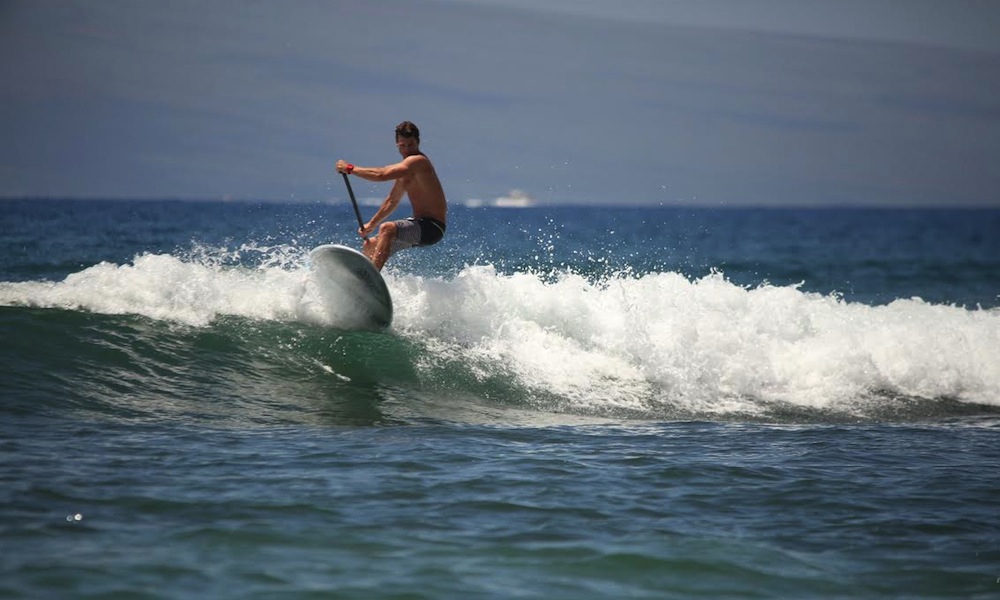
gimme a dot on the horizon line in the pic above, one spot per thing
(487, 205)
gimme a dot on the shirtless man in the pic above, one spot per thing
(414, 176)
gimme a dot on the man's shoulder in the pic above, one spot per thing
(417, 162)
(417, 159)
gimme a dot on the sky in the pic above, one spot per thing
(636, 102)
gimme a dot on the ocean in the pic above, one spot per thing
(572, 402)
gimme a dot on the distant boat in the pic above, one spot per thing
(514, 199)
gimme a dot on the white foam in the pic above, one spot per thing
(165, 287)
(705, 345)
(657, 340)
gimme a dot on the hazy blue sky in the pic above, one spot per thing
(726, 102)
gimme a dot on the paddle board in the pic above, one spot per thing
(354, 294)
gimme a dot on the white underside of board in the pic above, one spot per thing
(352, 291)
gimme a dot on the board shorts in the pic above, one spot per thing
(413, 232)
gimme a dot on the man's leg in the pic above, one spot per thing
(386, 236)
(368, 248)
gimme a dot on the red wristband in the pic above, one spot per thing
(349, 168)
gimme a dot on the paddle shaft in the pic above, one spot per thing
(357, 213)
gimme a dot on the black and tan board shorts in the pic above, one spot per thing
(412, 232)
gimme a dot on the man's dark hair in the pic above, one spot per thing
(407, 129)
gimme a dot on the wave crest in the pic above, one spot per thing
(656, 344)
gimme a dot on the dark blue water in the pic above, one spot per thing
(571, 403)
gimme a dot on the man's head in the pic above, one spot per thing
(407, 138)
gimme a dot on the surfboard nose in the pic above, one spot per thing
(353, 292)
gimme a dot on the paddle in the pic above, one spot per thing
(357, 212)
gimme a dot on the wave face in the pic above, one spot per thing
(654, 345)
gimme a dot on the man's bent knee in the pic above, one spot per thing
(388, 229)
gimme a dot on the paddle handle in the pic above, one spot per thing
(350, 192)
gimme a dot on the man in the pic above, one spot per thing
(414, 176)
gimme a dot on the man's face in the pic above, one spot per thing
(407, 146)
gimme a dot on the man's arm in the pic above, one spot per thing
(397, 171)
(388, 205)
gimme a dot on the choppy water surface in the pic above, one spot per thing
(571, 403)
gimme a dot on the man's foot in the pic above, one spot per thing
(368, 248)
